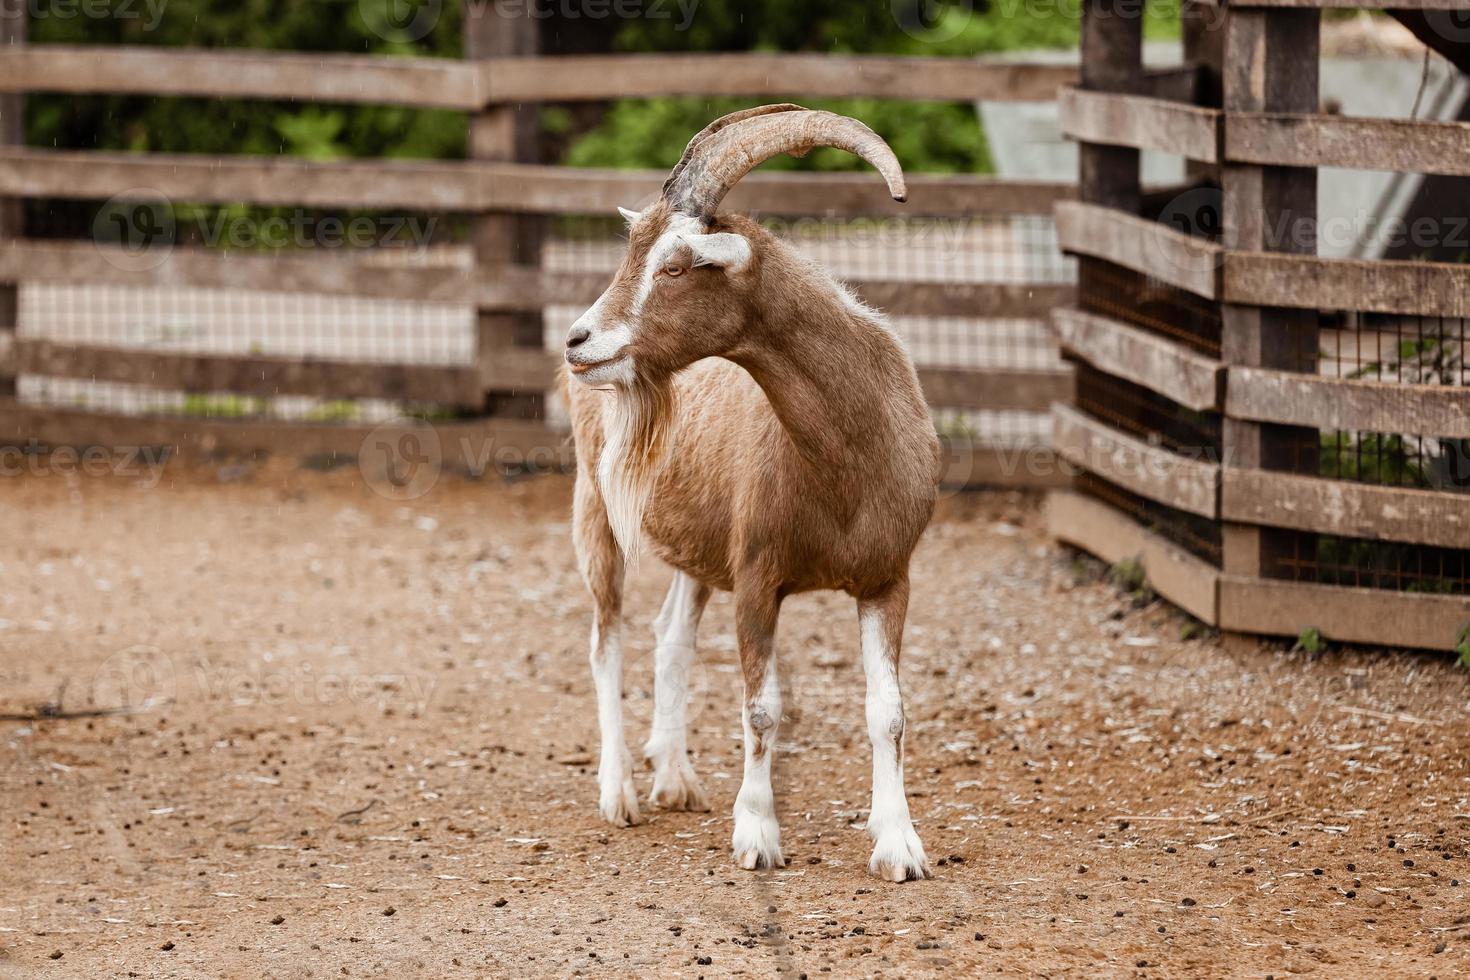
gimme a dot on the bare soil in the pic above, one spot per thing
(359, 739)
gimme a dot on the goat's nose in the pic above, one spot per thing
(578, 336)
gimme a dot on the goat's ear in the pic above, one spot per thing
(631, 217)
(723, 250)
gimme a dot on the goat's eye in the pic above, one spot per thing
(673, 271)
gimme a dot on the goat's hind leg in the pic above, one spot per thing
(601, 564)
(898, 855)
(675, 786)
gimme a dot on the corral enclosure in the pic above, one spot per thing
(1281, 438)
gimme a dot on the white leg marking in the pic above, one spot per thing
(675, 787)
(898, 854)
(617, 798)
(757, 838)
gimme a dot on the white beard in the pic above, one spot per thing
(638, 436)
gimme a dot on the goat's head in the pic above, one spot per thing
(689, 279)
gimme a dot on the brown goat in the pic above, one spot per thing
(767, 433)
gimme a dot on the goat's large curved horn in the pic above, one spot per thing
(734, 145)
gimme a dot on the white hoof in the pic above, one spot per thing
(899, 856)
(756, 842)
(617, 798)
(675, 787)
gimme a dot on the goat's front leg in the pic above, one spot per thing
(675, 786)
(898, 854)
(757, 838)
(602, 567)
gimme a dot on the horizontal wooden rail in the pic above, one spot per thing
(1145, 358)
(998, 389)
(474, 446)
(506, 288)
(1140, 121)
(260, 376)
(477, 186)
(970, 465)
(1353, 510)
(1150, 471)
(1141, 245)
(470, 86)
(1307, 282)
(1181, 577)
(433, 83)
(1339, 404)
(410, 184)
(568, 190)
(1291, 140)
(596, 78)
(1342, 614)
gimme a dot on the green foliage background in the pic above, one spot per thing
(643, 133)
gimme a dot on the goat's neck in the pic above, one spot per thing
(825, 367)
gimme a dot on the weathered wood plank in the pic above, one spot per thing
(1308, 140)
(1307, 282)
(260, 376)
(1145, 358)
(1174, 573)
(1354, 510)
(442, 83)
(1347, 615)
(566, 190)
(1169, 478)
(1141, 245)
(1341, 404)
(1141, 122)
(996, 389)
(596, 78)
(153, 70)
(997, 300)
(969, 466)
(474, 446)
(87, 175)
(490, 186)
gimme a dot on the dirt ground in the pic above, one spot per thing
(361, 742)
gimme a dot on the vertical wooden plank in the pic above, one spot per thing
(505, 133)
(1203, 29)
(12, 210)
(1112, 61)
(1271, 65)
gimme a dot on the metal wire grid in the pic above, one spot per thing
(241, 322)
(1148, 415)
(1137, 299)
(1330, 560)
(1198, 535)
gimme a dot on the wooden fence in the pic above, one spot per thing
(509, 195)
(1270, 476)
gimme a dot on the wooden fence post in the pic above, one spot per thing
(12, 210)
(1112, 61)
(504, 133)
(1271, 65)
